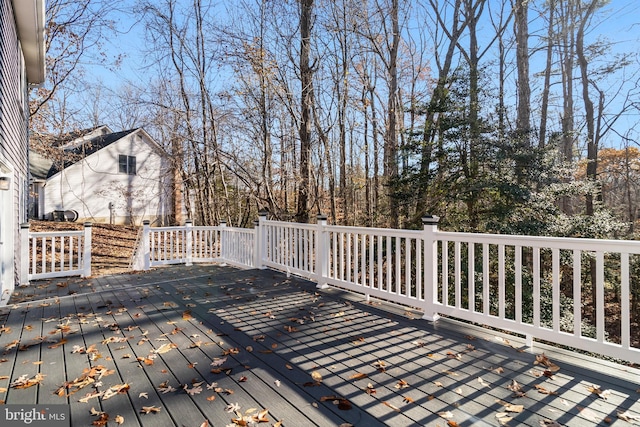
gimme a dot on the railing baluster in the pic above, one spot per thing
(536, 287)
(577, 293)
(501, 282)
(625, 312)
(518, 282)
(600, 301)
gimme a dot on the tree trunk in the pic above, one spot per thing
(306, 80)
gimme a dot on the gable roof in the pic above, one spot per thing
(76, 152)
(39, 165)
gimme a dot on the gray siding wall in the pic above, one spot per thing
(13, 118)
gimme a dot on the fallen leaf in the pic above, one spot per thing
(503, 418)
(446, 415)
(395, 408)
(543, 390)
(316, 376)
(150, 410)
(380, 366)
(401, 384)
(543, 360)
(143, 394)
(483, 383)
(119, 419)
(358, 376)
(604, 394)
(164, 348)
(25, 382)
(516, 388)
(370, 389)
(626, 416)
(407, 399)
(513, 408)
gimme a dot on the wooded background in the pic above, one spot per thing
(505, 116)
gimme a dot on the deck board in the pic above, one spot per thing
(275, 332)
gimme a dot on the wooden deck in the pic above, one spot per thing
(202, 345)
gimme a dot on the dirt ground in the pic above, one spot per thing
(112, 246)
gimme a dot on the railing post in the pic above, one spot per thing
(322, 250)
(260, 239)
(86, 258)
(430, 224)
(223, 240)
(189, 243)
(146, 245)
(25, 259)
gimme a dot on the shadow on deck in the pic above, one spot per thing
(208, 344)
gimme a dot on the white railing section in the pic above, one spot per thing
(188, 244)
(49, 254)
(289, 247)
(540, 287)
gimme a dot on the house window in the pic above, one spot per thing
(127, 164)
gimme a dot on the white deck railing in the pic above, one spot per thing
(539, 287)
(48, 254)
(188, 244)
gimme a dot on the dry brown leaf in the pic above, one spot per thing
(626, 416)
(395, 408)
(115, 390)
(543, 390)
(380, 366)
(483, 383)
(407, 399)
(25, 382)
(516, 388)
(150, 410)
(595, 389)
(330, 397)
(358, 376)
(316, 376)
(370, 389)
(261, 417)
(543, 360)
(513, 408)
(401, 384)
(503, 418)
(119, 419)
(446, 415)
(164, 348)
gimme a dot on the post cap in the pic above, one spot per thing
(189, 221)
(88, 224)
(146, 222)
(321, 217)
(263, 212)
(430, 219)
(24, 225)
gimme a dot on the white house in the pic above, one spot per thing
(109, 177)
(22, 63)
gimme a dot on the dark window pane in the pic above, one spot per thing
(122, 163)
(132, 165)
